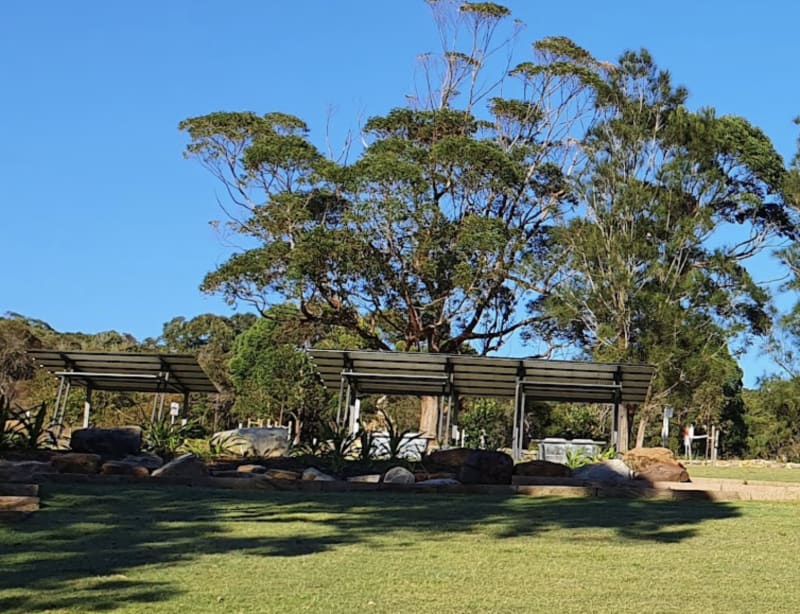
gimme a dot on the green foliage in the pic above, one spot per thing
(577, 458)
(773, 420)
(8, 438)
(167, 440)
(32, 428)
(23, 429)
(486, 423)
(366, 440)
(340, 444)
(398, 442)
(432, 238)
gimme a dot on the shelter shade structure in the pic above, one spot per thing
(158, 374)
(449, 376)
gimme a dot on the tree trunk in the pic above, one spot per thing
(623, 431)
(640, 431)
(428, 417)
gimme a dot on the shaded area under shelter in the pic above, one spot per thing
(153, 373)
(449, 376)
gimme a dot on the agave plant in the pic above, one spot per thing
(398, 441)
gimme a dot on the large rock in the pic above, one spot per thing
(439, 482)
(76, 462)
(487, 467)
(312, 473)
(542, 469)
(279, 474)
(251, 468)
(113, 467)
(145, 459)
(22, 471)
(186, 466)
(610, 471)
(450, 460)
(109, 443)
(265, 442)
(398, 475)
(369, 478)
(663, 472)
(639, 459)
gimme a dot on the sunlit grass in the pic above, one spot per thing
(767, 474)
(188, 550)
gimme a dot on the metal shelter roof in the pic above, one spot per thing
(479, 376)
(127, 372)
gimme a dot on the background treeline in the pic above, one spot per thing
(263, 375)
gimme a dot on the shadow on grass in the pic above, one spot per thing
(74, 553)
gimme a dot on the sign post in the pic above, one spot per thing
(668, 413)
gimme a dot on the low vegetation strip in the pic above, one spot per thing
(181, 549)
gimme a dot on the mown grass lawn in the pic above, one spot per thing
(767, 474)
(126, 549)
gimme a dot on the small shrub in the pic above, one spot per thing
(398, 441)
(166, 439)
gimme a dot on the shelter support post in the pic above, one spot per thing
(439, 420)
(615, 414)
(61, 385)
(87, 407)
(347, 400)
(516, 446)
(447, 433)
(341, 398)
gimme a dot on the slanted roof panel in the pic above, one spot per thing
(479, 376)
(126, 372)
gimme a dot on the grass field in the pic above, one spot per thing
(122, 549)
(767, 474)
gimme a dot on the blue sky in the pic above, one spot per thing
(105, 225)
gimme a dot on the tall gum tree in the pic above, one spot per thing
(671, 205)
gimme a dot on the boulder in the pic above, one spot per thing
(312, 473)
(109, 443)
(264, 442)
(398, 475)
(145, 459)
(434, 475)
(232, 473)
(663, 472)
(639, 459)
(282, 474)
(542, 469)
(186, 466)
(371, 478)
(439, 482)
(450, 460)
(22, 471)
(122, 468)
(76, 462)
(611, 471)
(487, 467)
(251, 469)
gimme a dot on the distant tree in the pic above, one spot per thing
(16, 338)
(773, 420)
(211, 338)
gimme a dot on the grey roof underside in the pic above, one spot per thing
(479, 376)
(126, 372)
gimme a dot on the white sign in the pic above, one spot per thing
(174, 409)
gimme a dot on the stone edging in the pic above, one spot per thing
(716, 490)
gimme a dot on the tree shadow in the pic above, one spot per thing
(74, 553)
